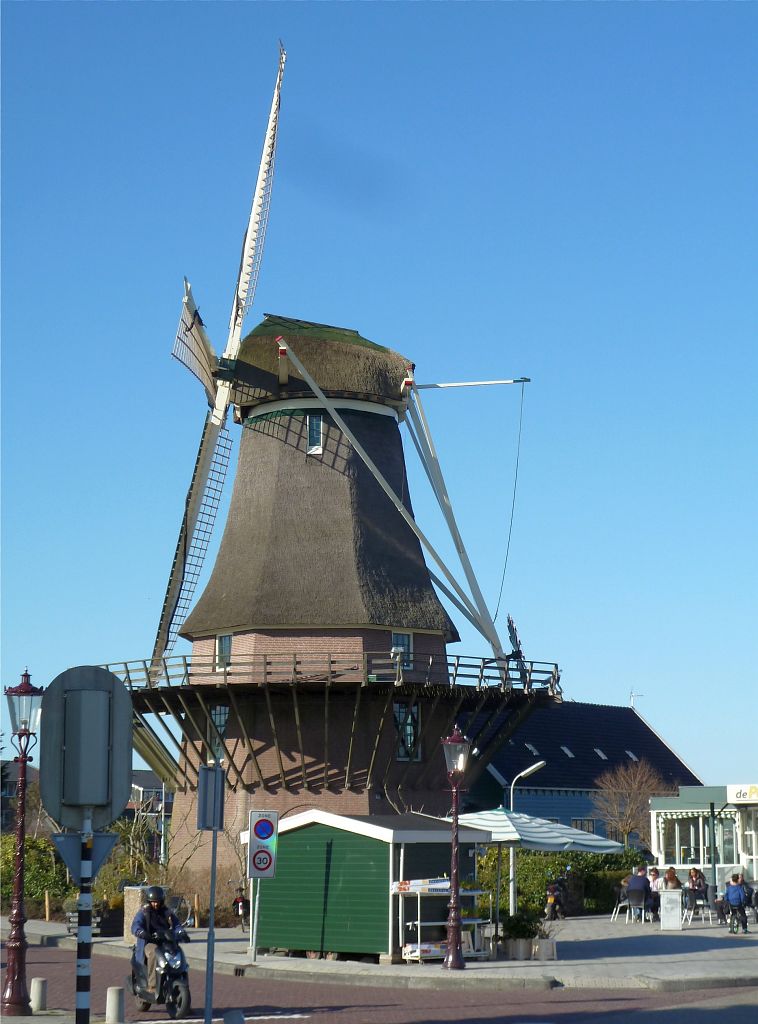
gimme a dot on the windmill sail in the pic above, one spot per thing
(201, 506)
(192, 346)
(194, 350)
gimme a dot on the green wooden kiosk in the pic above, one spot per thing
(331, 893)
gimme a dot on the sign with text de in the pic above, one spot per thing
(261, 847)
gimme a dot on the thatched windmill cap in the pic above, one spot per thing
(343, 363)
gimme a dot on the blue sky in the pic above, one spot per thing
(565, 192)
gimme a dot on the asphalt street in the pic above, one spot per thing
(326, 1002)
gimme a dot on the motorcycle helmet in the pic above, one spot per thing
(155, 894)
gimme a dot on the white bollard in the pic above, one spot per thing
(38, 994)
(234, 1017)
(114, 1005)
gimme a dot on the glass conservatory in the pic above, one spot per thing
(707, 824)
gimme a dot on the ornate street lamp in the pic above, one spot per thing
(456, 749)
(512, 885)
(24, 705)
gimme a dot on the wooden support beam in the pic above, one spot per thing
(222, 740)
(483, 694)
(175, 765)
(481, 733)
(398, 730)
(445, 733)
(244, 734)
(326, 722)
(427, 717)
(496, 741)
(180, 723)
(298, 729)
(277, 749)
(380, 729)
(358, 691)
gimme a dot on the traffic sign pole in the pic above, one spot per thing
(84, 922)
(254, 940)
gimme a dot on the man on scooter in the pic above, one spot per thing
(148, 922)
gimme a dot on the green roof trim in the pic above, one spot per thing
(274, 324)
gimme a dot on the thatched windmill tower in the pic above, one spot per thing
(319, 670)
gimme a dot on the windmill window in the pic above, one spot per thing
(633, 756)
(315, 433)
(223, 650)
(408, 729)
(532, 749)
(404, 641)
(600, 754)
(219, 717)
(567, 752)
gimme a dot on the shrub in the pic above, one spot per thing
(590, 874)
(43, 870)
(523, 925)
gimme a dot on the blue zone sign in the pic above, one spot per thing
(263, 833)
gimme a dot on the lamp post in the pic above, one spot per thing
(512, 885)
(456, 749)
(24, 705)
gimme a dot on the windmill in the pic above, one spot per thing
(319, 670)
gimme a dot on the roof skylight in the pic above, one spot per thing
(633, 756)
(532, 749)
(567, 752)
(600, 753)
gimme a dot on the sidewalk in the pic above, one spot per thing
(592, 952)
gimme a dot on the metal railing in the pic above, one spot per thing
(366, 669)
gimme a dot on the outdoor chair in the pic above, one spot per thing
(636, 905)
(696, 905)
(622, 903)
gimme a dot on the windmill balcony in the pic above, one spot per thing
(368, 669)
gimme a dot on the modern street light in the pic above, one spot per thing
(456, 749)
(512, 886)
(24, 705)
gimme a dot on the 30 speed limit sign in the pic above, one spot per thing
(262, 838)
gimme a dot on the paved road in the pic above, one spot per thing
(332, 1002)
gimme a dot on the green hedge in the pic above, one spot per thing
(591, 877)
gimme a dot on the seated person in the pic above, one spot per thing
(656, 884)
(671, 880)
(640, 882)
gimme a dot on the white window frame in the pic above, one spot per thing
(314, 417)
(214, 746)
(407, 659)
(414, 724)
(218, 664)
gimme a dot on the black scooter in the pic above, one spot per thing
(171, 973)
(555, 900)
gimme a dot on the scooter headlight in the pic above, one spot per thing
(174, 960)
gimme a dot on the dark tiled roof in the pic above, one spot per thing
(583, 729)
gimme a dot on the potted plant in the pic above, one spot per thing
(543, 945)
(520, 931)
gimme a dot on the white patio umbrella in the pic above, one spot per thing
(514, 830)
(522, 830)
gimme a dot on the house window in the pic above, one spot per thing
(315, 433)
(223, 650)
(219, 717)
(408, 728)
(584, 824)
(405, 642)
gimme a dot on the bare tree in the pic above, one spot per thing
(623, 796)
